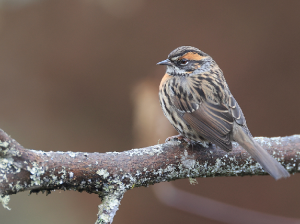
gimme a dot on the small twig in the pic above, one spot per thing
(110, 205)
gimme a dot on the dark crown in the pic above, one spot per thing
(185, 49)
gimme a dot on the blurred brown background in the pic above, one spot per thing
(68, 69)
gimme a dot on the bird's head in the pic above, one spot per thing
(187, 61)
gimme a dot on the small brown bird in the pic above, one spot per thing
(195, 98)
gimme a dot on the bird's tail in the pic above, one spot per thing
(269, 164)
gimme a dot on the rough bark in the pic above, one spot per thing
(111, 174)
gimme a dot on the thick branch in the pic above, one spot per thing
(23, 169)
(111, 174)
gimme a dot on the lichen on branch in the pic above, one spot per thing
(111, 174)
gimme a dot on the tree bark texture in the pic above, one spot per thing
(111, 174)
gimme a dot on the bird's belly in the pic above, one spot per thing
(175, 117)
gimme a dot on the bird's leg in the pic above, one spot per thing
(179, 137)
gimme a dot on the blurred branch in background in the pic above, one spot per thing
(214, 210)
(149, 122)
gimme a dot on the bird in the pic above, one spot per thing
(196, 99)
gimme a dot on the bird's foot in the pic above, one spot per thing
(179, 137)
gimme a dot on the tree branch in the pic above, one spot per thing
(110, 174)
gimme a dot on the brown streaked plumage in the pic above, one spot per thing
(195, 98)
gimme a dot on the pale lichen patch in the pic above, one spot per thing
(36, 173)
(4, 201)
(113, 153)
(72, 154)
(4, 144)
(7, 162)
(193, 181)
(63, 172)
(154, 150)
(103, 173)
(188, 160)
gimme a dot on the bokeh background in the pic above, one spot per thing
(70, 72)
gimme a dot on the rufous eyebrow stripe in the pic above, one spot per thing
(192, 56)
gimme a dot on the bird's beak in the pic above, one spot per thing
(165, 62)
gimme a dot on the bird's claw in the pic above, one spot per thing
(179, 137)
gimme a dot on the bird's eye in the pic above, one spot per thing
(183, 62)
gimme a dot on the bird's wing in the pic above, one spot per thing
(236, 111)
(211, 120)
(237, 114)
